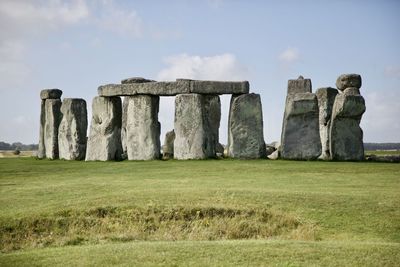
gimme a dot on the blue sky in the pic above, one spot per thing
(78, 45)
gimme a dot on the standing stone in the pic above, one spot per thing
(245, 130)
(300, 130)
(45, 94)
(123, 127)
(197, 119)
(104, 142)
(52, 122)
(143, 128)
(348, 80)
(168, 147)
(41, 148)
(326, 98)
(72, 130)
(346, 136)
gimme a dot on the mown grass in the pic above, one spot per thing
(102, 205)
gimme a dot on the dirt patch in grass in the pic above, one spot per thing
(112, 224)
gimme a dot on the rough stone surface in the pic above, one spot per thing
(326, 98)
(197, 119)
(274, 155)
(123, 127)
(148, 88)
(143, 128)
(218, 87)
(104, 142)
(41, 148)
(72, 130)
(346, 136)
(348, 80)
(299, 85)
(180, 86)
(351, 91)
(52, 122)
(50, 94)
(245, 127)
(300, 131)
(168, 147)
(136, 80)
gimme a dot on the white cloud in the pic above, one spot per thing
(219, 67)
(380, 122)
(23, 18)
(290, 55)
(392, 72)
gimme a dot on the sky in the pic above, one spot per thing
(79, 45)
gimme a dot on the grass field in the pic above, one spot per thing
(212, 212)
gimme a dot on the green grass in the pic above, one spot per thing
(199, 212)
(383, 152)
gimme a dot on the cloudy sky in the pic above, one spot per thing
(78, 45)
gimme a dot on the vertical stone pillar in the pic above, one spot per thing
(50, 117)
(104, 142)
(245, 127)
(123, 127)
(143, 128)
(300, 130)
(326, 98)
(72, 130)
(197, 119)
(346, 136)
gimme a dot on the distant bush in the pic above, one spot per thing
(17, 152)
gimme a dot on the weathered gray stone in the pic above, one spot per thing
(125, 104)
(346, 136)
(218, 87)
(136, 80)
(197, 119)
(72, 130)
(148, 88)
(348, 80)
(299, 85)
(52, 122)
(168, 147)
(41, 148)
(180, 86)
(269, 149)
(50, 94)
(104, 142)
(143, 128)
(245, 127)
(300, 131)
(351, 91)
(326, 98)
(274, 155)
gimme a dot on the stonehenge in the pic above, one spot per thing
(72, 129)
(300, 129)
(323, 125)
(104, 141)
(326, 98)
(245, 128)
(346, 136)
(50, 116)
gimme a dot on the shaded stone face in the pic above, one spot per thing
(104, 141)
(125, 104)
(72, 130)
(50, 94)
(41, 148)
(143, 128)
(300, 130)
(197, 119)
(299, 85)
(346, 136)
(136, 80)
(50, 130)
(326, 98)
(348, 80)
(168, 147)
(245, 127)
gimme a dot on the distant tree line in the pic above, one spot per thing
(18, 146)
(382, 146)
